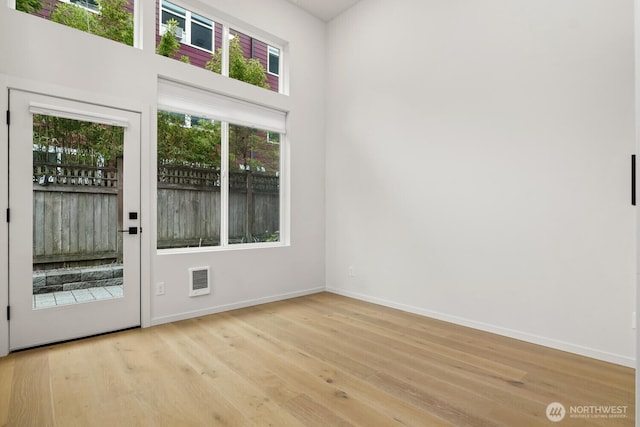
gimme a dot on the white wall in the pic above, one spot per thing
(478, 165)
(44, 56)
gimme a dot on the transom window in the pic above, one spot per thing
(111, 19)
(192, 29)
(212, 44)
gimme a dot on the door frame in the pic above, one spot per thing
(146, 220)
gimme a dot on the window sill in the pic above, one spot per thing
(227, 248)
(197, 47)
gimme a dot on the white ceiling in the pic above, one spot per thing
(325, 9)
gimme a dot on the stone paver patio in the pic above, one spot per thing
(54, 299)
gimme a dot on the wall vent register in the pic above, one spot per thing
(199, 283)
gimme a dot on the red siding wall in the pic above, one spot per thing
(47, 8)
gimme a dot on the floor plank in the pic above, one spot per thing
(6, 379)
(320, 360)
(30, 403)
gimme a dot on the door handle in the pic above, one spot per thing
(131, 230)
(633, 179)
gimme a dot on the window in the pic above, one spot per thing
(201, 32)
(274, 61)
(111, 19)
(171, 11)
(192, 29)
(188, 162)
(273, 137)
(219, 170)
(254, 61)
(254, 186)
(88, 4)
(201, 41)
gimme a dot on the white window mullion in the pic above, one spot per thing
(224, 185)
(187, 30)
(281, 72)
(225, 51)
(285, 185)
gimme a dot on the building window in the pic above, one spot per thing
(220, 167)
(273, 138)
(274, 61)
(192, 29)
(88, 4)
(172, 12)
(201, 34)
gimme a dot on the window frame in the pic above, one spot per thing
(274, 140)
(181, 99)
(95, 10)
(269, 49)
(199, 20)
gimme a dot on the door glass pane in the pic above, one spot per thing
(77, 211)
(254, 185)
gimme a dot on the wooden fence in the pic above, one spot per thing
(189, 207)
(75, 211)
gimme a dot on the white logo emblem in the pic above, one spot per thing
(556, 412)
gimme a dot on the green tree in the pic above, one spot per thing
(169, 44)
(29, 6)
(76, 142)
(113, 22)
(181, 145)
(248, 70)
(75, 17)
(250, 151)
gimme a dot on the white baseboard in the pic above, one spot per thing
(511, 333)
(228, 307)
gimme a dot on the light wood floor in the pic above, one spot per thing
(321, 360)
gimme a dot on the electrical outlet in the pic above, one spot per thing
(160, 288)
(352, 271)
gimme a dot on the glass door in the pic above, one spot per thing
(74, 198)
